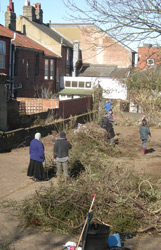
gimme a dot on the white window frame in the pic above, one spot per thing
(150, 59)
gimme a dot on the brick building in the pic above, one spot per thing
(81, 47)
(24, 62)
(102, 59)
(148, 56)
(35, 70)
(97, 48)
(31, 24)
(5, 49)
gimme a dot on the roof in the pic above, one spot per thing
(96, 70)
(120, 73)
(24, 41)
(52, 33)
(84, 92)
(70, 24)
(5, 32)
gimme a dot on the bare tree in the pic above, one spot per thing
(125, 20)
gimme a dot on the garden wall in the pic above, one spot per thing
(27, 112)
(22, 137)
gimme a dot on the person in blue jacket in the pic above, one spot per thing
(37, 157)
(144, 134)
(108, 106)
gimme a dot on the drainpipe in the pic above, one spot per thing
(11, 68)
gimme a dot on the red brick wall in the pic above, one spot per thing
(101, 49)
(36, 105)
(66, 108)
(75, 106)
(33, 85)
(148, 53)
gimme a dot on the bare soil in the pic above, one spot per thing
(15, 186)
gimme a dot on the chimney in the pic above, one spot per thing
(38, 13)
(27, 2)
(75, 56)
(147, 45)
(29, 11)
(10, 17)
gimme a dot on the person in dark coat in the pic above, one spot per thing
(110, 116)
(37, 157)
(60, 152)
(106, 124)
(144, 134)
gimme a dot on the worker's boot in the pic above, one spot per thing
(143, 151)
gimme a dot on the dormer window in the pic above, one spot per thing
(150, 62)
(2, 54)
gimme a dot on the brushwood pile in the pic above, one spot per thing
(125, 201)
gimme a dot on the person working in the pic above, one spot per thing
(144, 134)
(60, 152)
(108, 106)
(108, 127)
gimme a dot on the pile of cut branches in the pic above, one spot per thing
(126, 202)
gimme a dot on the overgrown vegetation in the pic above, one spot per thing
(125, 201)
(144, 89)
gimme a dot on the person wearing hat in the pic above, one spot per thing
(60, 152)
(37, 157)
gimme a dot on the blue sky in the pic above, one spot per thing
(53, 10)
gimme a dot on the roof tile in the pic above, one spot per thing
(24, 41)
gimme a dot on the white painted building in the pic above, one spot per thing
(75, 87)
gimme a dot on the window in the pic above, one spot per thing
(88, 84)
(74, 84)
(51, 69)
(67, 84)
(46, 69)
(68, 57)
(81, 84)
(150, 62)
(57, 74)
(27, 69)
(2, 54)
(36, 64)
